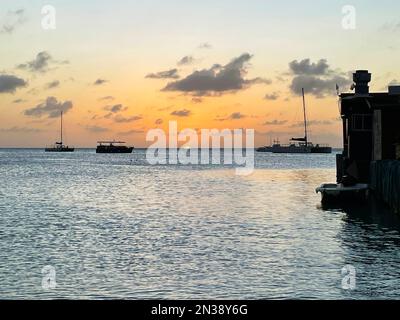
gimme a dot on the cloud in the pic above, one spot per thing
(53, 84)
(99, 82)
(115, 108)
(197, 100)
(19, 101)
(96, 129)
(169, 74)
(273, 96)
(317, 79)
(13, 20)
(106, 98)
(50, 108)
(312, 123)
(10, 83)
(20, 130)
(131, 132)
(41, 63)
(121, 119)
(233, 116)
(306, 67)
(181, 113)
(275, 123)
(205, 45)
(186, 61)
(218, 79)
(159, 121)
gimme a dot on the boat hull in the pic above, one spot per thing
(337, 193)
(114, 149)
(60, 149)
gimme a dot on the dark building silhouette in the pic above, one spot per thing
(371, 129)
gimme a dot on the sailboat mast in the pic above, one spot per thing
(61, 128)
(305, 117)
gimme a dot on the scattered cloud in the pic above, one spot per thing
(19, 101)
(205, 45)
(20, 130)
(159, 122)
(317, 79)
(51, 108)
(96, 129)
(218, 79)
(197, 100)
(273, 96)
(53, 84)
(181, 113)
(106, 98)
(233, 116)
(169, 74)
(187, 60)
(10, 83)
(305, 66)
(99, 82)
(12, 21)
(131, 132)
(121, 119)
(312, 123)
(41, 63)
(275, 123)
(115, 108)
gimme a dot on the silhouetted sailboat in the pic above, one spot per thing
(302, 145)
(59, 146)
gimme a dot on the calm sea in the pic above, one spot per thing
(112, 226)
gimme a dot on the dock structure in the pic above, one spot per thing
(371, 139)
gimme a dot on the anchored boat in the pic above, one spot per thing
(298, 145)
(113, 147)
(59, 146)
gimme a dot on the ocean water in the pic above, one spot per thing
(114, 227)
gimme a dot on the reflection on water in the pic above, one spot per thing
(114, 227)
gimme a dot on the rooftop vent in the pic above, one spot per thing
(361, 80)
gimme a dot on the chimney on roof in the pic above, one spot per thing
(361, 79)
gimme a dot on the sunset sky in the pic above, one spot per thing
(119, 68)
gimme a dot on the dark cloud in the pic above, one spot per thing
(96, 129)
(306, 67)
(169, 74)
(99, 82)
(121, 119)
(275, 123)
(41, 63)
(20, 130)
(10, 83)
(186, 60)
(159, 121)
(317, 79)
(115, 108)
(217, 80)
(181, 113)
(51, 108)
(272, 96)
(233, 116)
(13, 20)
(53, 84)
